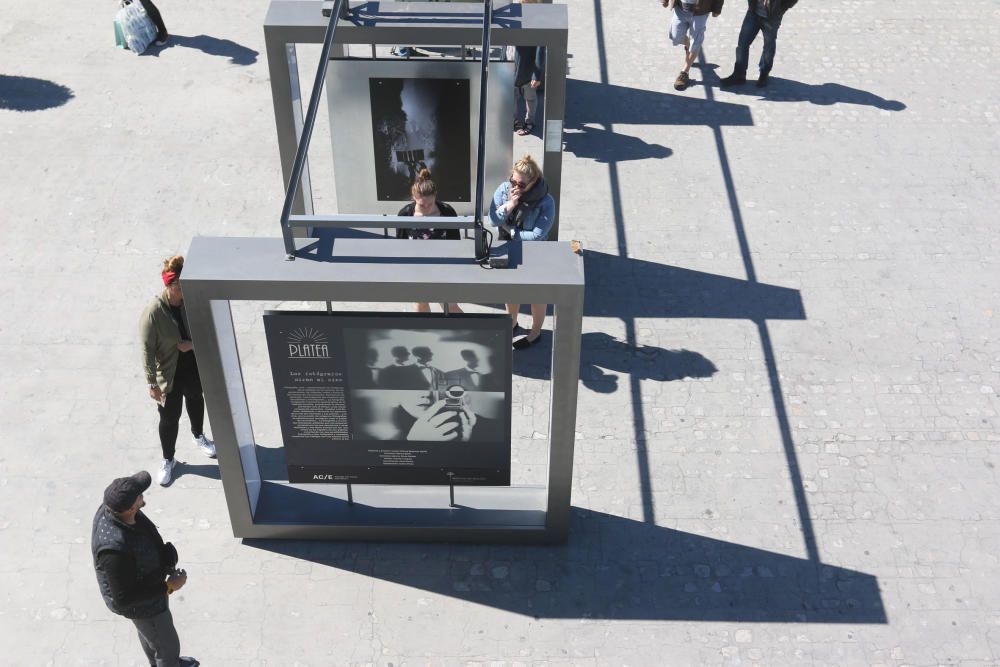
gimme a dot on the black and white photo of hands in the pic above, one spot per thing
(438, 424)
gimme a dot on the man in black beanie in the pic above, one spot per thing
(136, 569)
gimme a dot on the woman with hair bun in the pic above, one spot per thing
(170, 368)
(523, 208)
(426, 203)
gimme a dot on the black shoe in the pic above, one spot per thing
(525, 343)
(762, 81)
(734, 79)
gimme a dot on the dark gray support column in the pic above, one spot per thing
(567, 331)
(228, 413)
(555, 115)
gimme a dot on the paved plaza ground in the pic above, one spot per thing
(788, 430)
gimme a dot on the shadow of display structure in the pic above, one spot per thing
(221, 270)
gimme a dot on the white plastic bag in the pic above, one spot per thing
(138, 28)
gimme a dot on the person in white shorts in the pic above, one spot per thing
(687, 27)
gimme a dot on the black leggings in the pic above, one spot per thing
(154, 14)
(186, 390)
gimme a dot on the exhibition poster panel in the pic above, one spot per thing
(393, 399)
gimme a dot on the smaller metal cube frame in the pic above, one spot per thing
(291, 22)
(219, 270)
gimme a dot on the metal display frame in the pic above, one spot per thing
(220, 270)
(291, 22)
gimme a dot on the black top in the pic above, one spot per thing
(134, 570)
(446, 212)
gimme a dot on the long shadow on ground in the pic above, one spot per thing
(618, 569)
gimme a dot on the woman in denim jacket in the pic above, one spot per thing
(523, 208)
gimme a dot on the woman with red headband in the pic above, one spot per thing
(169, 364)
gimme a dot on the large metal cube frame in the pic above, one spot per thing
(219, 270)
(291, 22)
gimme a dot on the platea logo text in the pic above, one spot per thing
(304, 343)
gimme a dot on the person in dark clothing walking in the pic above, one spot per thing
(154, 15)
(529, 73)
(763, 16)
(136, 569)
(170, 368)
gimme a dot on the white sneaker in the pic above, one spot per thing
(206, 446)
(166, 471)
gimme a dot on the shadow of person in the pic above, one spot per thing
(213, 46)
(605, 146)
(601, 352)
(823, 94)
(26, 93)
(200, 470)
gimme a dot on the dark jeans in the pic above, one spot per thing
(159, 639)
(154, 14)
(752, 24)
(186, 390)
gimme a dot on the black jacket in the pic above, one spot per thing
(777, 9)
(446, 212)
(529, 64)
(132, 564)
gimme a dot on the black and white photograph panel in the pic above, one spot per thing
(421, 124)
(434, 359)
(447, 415)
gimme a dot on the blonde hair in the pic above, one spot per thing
(423, 186)
(174, 264)
(528, 168)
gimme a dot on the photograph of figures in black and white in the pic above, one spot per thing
(421, 124)
(428, 385)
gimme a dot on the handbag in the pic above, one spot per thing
(137, 28)
(119, 35)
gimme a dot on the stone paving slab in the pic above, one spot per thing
(788, 428)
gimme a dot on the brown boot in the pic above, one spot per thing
(681, 82)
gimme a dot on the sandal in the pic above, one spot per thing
(526, 130)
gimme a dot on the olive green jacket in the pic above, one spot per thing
(159, 336)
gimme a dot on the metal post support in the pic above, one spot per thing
(566, 336)
(307, 129)
(555, 115)
(228, 412)
(481, 248)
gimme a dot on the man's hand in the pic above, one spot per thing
(156, 394)
(716, 14)
(535, 83)
(435, 425)
(185, 346)
(177, 580)
(669, 4)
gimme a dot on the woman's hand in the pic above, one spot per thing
(515, 198)
(468, 419)
(185, 346)
(156, 394)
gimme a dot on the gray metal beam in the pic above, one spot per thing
(350, 220)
